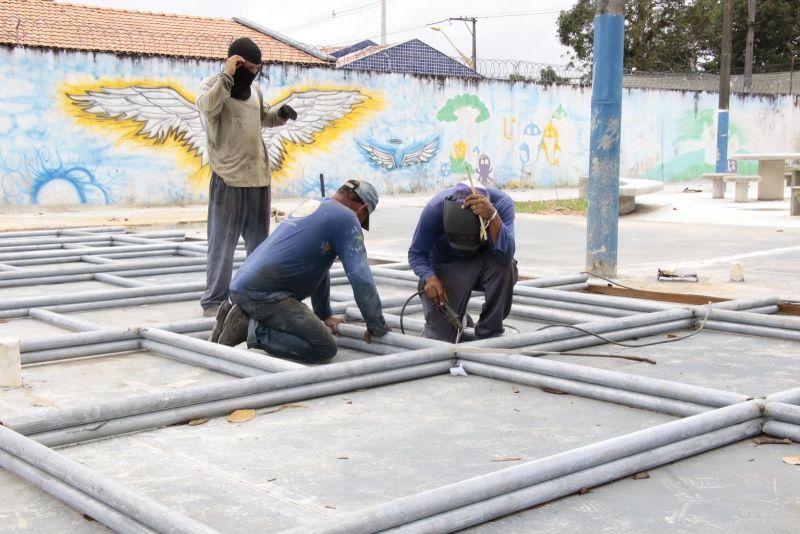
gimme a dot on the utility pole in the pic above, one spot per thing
(724, 87)
(748, 51)
(473, 20)
(602, 223)
(383, 22)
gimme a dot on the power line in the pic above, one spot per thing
(334, 15)
(488, 16)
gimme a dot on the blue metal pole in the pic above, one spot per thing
(603, 217)
(722, 140)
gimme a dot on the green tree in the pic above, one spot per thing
(685, 35)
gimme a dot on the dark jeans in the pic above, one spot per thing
(481, 273)
(287, 329)
(232, 212)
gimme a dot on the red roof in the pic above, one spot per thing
(47, 24)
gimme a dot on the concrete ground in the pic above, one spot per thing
(317, 458)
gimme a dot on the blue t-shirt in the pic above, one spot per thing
(430, 248)
(296, 258)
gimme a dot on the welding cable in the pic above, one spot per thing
(403, 309)
(660, 342)
(609, 281)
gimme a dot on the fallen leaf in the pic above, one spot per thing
(584, 491)
(198, 421)
(342, 457)
(331, 507)
(554, 391)
(671, 336)
(507, 458)
(792, 460)
(514, 388)
(241, 416)
(769, 440)
(641, 476)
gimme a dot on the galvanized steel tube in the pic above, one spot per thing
(97, 510)
(656, 387)
(481, 512)
(145, 510)
(483, 487)
(220, 407)
(230, 389)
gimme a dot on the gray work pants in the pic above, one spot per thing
(232, 212)
(287, 329)
(481, 273)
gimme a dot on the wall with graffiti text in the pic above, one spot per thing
(94, 128)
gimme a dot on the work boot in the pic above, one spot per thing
(222, 314)
(234, 329)
(211, 311)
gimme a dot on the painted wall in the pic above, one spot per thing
(83, 128)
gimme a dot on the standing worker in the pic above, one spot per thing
(233, 112)
(294, 264)
(464, 241)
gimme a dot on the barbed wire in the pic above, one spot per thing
(782, 82)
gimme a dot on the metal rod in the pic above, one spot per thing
(763, 331)
(216, 408)
(62, 321)
(145, 510)
(656, 387)
(782, 430)
(262, 362)
(75, 498)
(200, 360)
(481, 512)
(582, 389)
(230, 389)
(786, 413)
(451, 496)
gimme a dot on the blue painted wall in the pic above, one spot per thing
(100, 129)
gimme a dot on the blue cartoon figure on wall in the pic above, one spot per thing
(484, 170)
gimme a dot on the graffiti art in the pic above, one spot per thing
(397, 157)
(159, 113)
(448, 111)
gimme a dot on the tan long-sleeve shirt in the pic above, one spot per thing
(233, 130)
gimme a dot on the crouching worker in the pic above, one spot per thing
(293, 264)
(464, 241)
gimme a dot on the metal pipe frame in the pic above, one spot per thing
(710, 418)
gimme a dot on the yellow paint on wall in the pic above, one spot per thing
(130, 130)
(323, 140)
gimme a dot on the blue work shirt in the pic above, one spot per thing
(296, 258)
(430, 248)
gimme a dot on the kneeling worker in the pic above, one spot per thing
(293, 264)
(453, 255)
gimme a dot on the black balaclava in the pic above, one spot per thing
(243, 78)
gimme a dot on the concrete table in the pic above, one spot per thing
(771, 168)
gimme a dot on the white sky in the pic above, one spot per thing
(528, 33)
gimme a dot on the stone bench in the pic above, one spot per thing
(794, 201)
(792, 175)
(629, 189)
(742, 185)
(718, 183)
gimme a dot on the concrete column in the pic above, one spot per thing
(794, 208)
(10, 363)
(602, 224)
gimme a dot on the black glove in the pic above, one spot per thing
(287, 112)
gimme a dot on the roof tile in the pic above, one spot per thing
(45, 23)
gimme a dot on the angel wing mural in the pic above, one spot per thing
(162, 113)
(392, 158)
